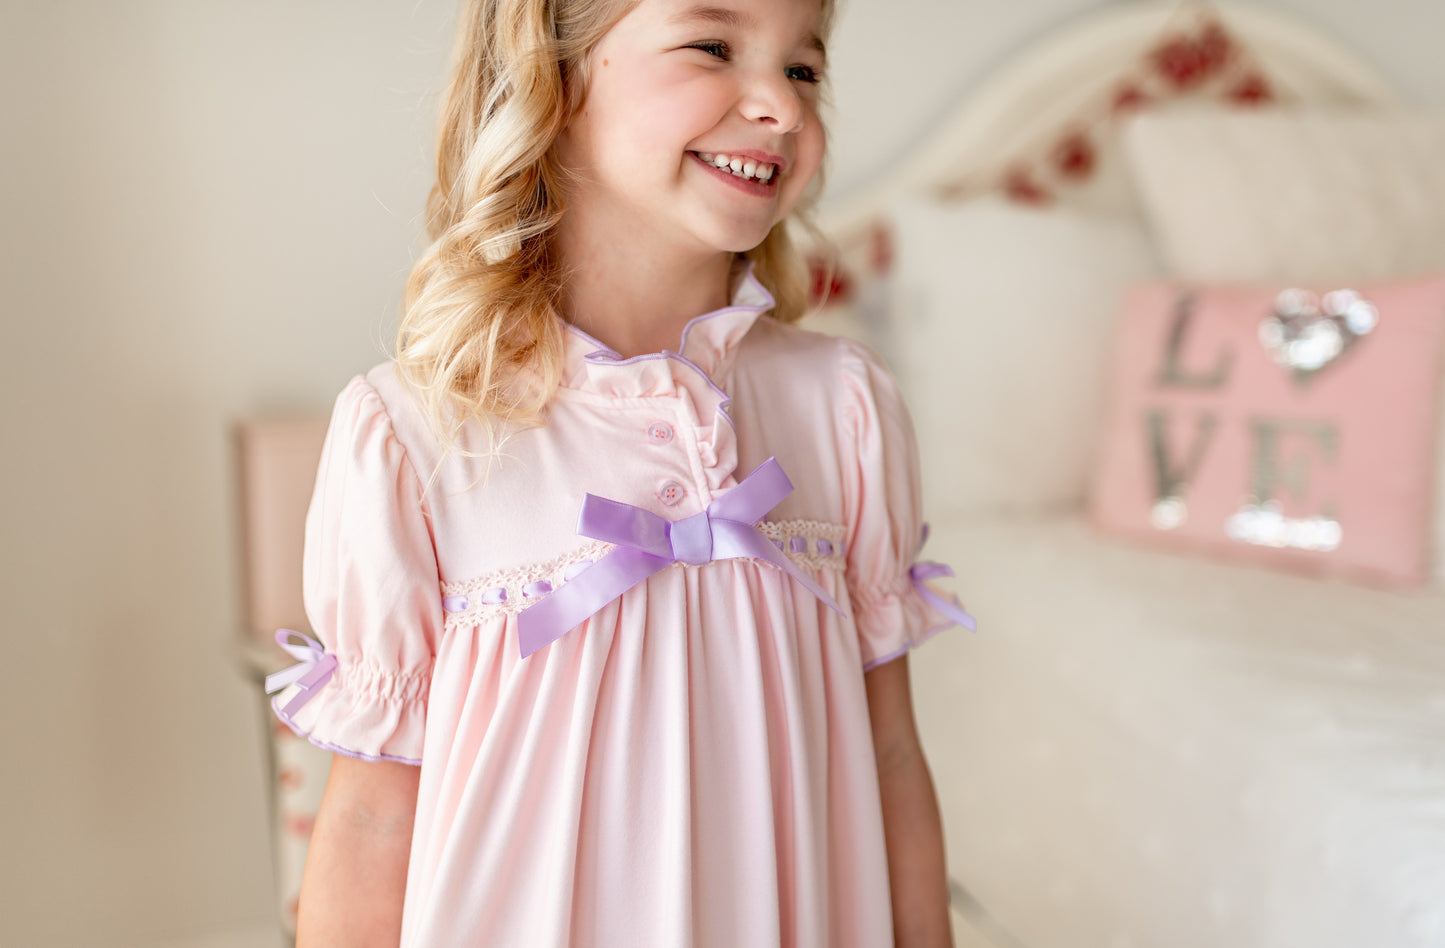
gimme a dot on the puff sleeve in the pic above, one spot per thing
(371, 584)
(892, 607)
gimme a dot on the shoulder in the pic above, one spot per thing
(385, 385)
(376, 415)
(799, 352)
(394, 396)
(845, 373)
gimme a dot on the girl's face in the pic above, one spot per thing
(680, 88)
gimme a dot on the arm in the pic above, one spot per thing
(355, 878)
(912, 827)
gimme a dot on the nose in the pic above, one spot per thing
(773, 101)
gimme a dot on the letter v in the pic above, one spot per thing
(1171, 480)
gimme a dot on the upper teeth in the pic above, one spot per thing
(742, 167)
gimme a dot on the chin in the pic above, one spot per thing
(746, 246)
(741, 241)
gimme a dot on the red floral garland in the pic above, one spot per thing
(1202, 58)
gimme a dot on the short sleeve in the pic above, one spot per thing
(371, 587)
(882, 495)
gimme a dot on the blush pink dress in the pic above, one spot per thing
(692, 764)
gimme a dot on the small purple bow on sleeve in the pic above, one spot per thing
(314, 671)
(924, 570)
(647, 543)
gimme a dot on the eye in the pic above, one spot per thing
(803, 74)
(715, 48)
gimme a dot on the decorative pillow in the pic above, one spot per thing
(1439, 547)
(1290, 428)
(1001, 324)
(1275, 195)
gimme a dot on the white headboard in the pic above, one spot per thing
(1076, 68)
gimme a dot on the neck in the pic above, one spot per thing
(634, 298)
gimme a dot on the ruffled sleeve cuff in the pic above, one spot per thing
(904, 615)
(357, 710)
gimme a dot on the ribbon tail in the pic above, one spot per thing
(738, 539)
(552, 617)
(310, 674)
(951, 608)
(286, 677)
(310, 683)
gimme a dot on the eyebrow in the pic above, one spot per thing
(734, 19)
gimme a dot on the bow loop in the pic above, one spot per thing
(624, 525)
(951, 607)
(315, 668)
(767, 485)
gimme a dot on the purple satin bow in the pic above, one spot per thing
(927, 570)
(314, 671)
(647, 543)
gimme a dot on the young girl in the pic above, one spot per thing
(614, 566)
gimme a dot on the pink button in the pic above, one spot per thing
(659, 432)
(671, 492)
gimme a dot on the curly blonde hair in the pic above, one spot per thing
(481, 300)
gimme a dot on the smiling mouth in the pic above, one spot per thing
(748, 169)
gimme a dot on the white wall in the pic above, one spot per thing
(208, 211)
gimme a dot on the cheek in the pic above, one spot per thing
(812, 145)
(688, 110)
(815, 140)
(656, 116)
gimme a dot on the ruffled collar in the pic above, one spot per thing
(708, 342)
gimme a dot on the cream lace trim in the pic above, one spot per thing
(464, 600)
(787, 529)
(810, 531)
(519, 577)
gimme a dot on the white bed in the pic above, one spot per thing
(1137, 748)
(1265, 771)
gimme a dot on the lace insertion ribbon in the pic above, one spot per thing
(312, 673)
(925, 570)
(648, 543)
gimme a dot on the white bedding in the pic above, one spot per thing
(1269, 773)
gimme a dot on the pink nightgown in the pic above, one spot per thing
(692, 765)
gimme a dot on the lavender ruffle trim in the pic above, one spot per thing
(912, 644)
(337, 748)
(909, 607)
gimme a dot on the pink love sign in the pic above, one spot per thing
(1287, 426)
